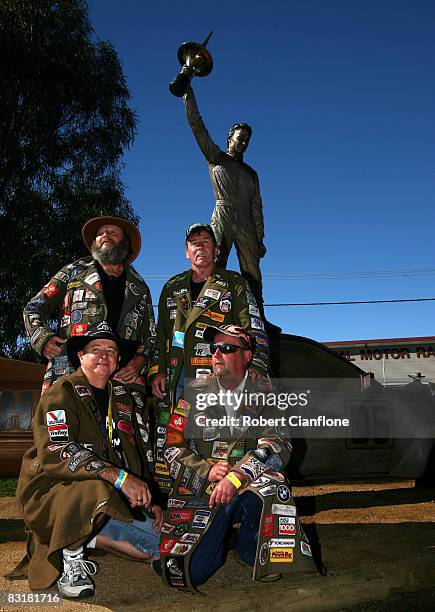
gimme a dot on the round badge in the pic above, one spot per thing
(76, 316)
(225, 305)
(283, 493)
(264, 553)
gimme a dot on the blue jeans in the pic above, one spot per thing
(138, 533)
(244, 509)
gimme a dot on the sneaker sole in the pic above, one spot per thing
(87, 592)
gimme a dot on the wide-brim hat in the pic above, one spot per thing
(197, 227)
(131, 231)
(236, 331)
(76, 343)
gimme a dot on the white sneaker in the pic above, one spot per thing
(75, 581)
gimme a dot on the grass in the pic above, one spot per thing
(8, 487)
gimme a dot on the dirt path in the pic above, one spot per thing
(377, 542)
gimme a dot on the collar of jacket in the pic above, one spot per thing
(217, 411)
(130, 297)
(215, 282)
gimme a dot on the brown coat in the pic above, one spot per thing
(59, 490)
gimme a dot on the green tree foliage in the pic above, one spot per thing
(64, 124)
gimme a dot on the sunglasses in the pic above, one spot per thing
(225, 348)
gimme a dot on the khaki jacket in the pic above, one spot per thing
(59, 490)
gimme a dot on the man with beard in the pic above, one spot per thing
(104, 287)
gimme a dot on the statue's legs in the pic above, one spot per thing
(232, 227)
(224, 223)
(248, 254)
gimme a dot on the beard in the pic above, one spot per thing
(117, 254)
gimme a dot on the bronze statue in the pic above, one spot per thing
(238, 214)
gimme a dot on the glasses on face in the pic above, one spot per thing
(225, 348)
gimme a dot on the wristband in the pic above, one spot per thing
(234, 480)
(120, 480)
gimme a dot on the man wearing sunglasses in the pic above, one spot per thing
(226, 472)
(201, 296)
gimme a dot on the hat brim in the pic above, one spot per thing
(131, 230)
(74, 344)
(198, 227)
(229, 330)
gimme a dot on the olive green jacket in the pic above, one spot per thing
(224, 299)
(59, 490)
(259, 454)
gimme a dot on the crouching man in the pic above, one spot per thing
(226, 472)
(86, 481)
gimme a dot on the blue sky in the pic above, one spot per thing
(341, 97)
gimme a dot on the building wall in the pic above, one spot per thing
(393, 360)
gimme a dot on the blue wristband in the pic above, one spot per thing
(121, 477)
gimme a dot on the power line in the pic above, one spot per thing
(352, 302)
(350, 275)
(345, 302)
(297, 276)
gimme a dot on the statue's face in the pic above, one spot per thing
(239, 141)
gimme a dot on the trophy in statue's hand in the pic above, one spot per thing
(195, 60)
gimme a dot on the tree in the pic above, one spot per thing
(64, 124)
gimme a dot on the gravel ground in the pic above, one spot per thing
(377, 542)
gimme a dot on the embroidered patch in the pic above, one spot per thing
(201, 518)
(267, 526)
(214, 294)
(82, 391)
(58, 432)
(281, 555)
(178, 339)
(282, 509)
(55, 417)
(287, 525)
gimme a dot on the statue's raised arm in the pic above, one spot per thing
(238, 214)
(210, 150)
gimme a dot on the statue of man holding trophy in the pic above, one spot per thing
(238, 214)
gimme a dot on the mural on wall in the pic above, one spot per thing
(16, 411)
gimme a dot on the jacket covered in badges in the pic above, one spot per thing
(193, 446)
(59, 490)
(225, 299)
(75, 293)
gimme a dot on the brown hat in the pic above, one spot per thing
(131, 231)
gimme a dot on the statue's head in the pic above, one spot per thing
(238, 138)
